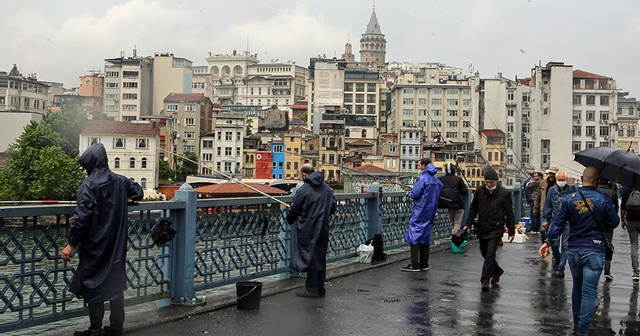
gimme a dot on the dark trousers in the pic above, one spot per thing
(490, 267)
(420, 255)
(116, 316)
(315, 282)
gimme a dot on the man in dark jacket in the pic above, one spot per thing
(533, 188)
(587, 243)
(492, 203)
(538, 203)
(453, 195)
(99, 232)
(425, 194)
(310, 210)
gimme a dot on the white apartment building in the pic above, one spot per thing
(128, 87)
(222, 149)
(326, 90)
(132, 149)
(170, 75)
(201, 81)
(410, 140)
(441, 110)
(22, 100)
(240, 79)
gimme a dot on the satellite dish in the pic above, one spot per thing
(166, 159)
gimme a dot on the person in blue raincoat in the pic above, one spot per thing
(99, 233)
(425, 194)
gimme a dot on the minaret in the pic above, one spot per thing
(373, 45)
(348, 53)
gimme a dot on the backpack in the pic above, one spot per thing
(633, 206)
(378, 248)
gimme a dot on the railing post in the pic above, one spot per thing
(183, 248)
(517, 201)
(373, 210)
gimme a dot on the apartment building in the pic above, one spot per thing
(132, 149)
(410, 144)
(626, 122)
(326, 85)
(190, 115)
(331, 150)
(293, 154)
(277, 155)
(128, 87)
(201, 81)
(229, 128)
(240, 79)
(442, 109)
(170, 75)
(22, 100)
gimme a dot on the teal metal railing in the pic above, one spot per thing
(218, 242)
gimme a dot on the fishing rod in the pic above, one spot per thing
(351, 169)
(43, 202)
(223, 175)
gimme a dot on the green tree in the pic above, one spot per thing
(249, 127)
(187, 167)
(303, 116)
(166, 173)
(68, 123)
(38, 167)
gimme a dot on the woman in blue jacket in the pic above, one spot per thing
(425, 194)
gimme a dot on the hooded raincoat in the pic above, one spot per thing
(99, 229)
(312, 205)
(425, 194)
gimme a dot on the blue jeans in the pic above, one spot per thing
(586, 267)
(559, 250)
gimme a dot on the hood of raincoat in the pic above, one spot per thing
(430, 169)
(315, 178)
(94, 160)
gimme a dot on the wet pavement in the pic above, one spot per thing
(445, 300)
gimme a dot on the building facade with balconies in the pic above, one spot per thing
(229, 128)
(626, 122)
(128, 87)
(190, 118)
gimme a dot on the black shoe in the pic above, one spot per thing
(495, 280)
(111, 332)
(485, 285)
(410, 268)
(323, 293)
(608, 277)
(424, 267)
(558, 274)
(306, 294)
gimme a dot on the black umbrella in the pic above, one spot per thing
(614, 164)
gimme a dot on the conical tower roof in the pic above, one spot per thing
(373, 27)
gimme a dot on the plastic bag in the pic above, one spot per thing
(365, 253)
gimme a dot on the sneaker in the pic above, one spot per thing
(558, 274)
(495, 280)
(410, 268)
(635, 278)
(608, 277)
(424, 268)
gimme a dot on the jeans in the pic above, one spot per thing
(535, 221)
(586, 267)
(116, 317)
(490, 267)
(559, 250)
(632, 229)
(456, 218)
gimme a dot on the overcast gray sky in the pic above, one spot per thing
(60, 40)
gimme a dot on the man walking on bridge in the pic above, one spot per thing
(492, 203)
(589, 214)
(99, 232)
(310, 210)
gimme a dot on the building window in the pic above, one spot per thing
(510, 95)
(591, 100)
(143, 183)
(590, 131)
(118, 143)
(604, 100)
(208, 157)
(189, 135)
(207, 144)
(436, 101)
(510, 112)
(228, 136)
(591, 115)
(116, 163)
(190, 121)
(132, 162)
(190, 107)
(577, 146)
(577, 131)
(172, 107)
(143, 163)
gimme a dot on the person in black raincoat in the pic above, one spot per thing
(99, 232)
(310, 210)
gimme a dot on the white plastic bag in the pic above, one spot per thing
(365, 253)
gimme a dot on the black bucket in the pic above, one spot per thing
(248, 294)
